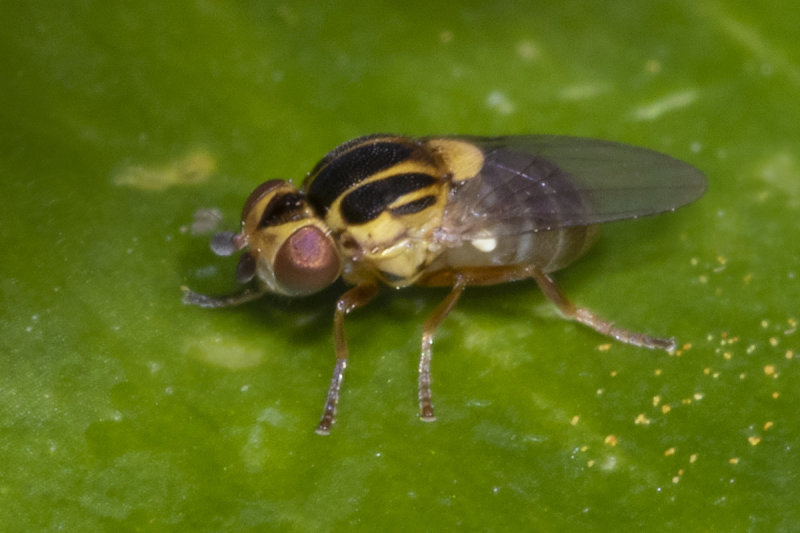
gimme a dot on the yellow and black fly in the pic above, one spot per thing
(445, 211)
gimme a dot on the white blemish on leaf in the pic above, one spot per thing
(193, 168)
(223, 352)
(500, 102)
(528, 50)
(583, 91)
(773, 57)
(781, 171)
(205, 221)
(671, 102)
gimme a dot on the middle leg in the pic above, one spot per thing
(432, 323)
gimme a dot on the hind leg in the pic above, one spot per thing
(588, 318)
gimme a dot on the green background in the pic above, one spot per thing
(122, 409)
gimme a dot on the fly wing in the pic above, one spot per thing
(537, 183)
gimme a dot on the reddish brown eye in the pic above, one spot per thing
(259, 193)
(307, 262)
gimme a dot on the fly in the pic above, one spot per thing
(447, 211)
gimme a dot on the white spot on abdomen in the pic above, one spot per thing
(486, 244)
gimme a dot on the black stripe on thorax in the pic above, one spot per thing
(368, 201)
(414, 206)
(353, 165)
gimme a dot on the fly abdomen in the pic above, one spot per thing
(547, 250)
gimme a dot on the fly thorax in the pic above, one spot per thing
(397, 261)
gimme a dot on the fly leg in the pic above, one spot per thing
(601, 325)
(201, 300)
(429, 328)
(354, 298)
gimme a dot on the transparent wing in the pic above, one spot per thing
(535, 183)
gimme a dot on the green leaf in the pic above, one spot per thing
(122, 409)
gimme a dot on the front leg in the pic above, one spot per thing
(210, 302)
(429, 328)
(354, 298)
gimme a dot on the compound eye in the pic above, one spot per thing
(260, 192)
(307, 262)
